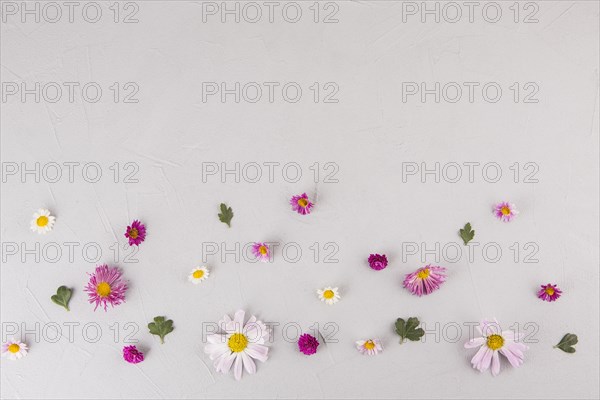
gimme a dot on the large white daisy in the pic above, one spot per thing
(42, 221)
(13, 349)
(239, 344)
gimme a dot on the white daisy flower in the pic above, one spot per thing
(198, 275)
(42, 221)
(239, 345)
(13, 349)
(329, 295)
(370, 347)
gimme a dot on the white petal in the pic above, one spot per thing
(249, 365)
(237, 368)
(258, 351)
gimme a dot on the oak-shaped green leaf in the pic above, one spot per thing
(567, 342)
(226, 214)
(467, 234)
(161, 327)
(408, 329)
(62, 297)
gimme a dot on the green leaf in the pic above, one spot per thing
(467, 234)
(161, 327)
(62, 297)
(408, 329)
(567, 342)
(226, 214)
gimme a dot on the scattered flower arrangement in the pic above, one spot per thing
(42, 221)
(330, 295)
(242, 341)
(307, 344)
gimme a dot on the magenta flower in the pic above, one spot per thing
(106, 287)
(378, 261)
(136, 233)
(261, 251)
(132, 355)
(301, 204)
(549, 292)
(425, 280)
(308, 344)
(505, 211)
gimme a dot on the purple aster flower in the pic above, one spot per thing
(132, 355)
(301, 204)
(308, 344)
(549, 292)
(136, 233)
(106, 286)
(425, 280)
(378, 261)
(505, 211)
(261, 251)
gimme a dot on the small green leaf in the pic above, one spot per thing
(408, 329)
(226, 214)
(62, 297)
(467, 234)
(567, 342)
(161, 327)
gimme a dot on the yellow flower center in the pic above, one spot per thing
(328, 294)
(14, 348)
(302, 202)
(237, 342)
(549, 291)
(133, 233)
(423, 273)
(495, 342)
(263, 250)
(42, 221)
(369, 345)
(505, 210)
(198, 274)
(103, 289)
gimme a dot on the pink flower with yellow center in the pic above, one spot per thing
(14, 349)
(505, 211)
(549, 292)
(370, 347)
(106, 286)
(136, 233)
(261, 251)
(425, 280)
(301, 204)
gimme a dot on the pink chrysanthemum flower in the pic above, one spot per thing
(425, 280)
(106, 287)
(378, 261)
(492, 342)
(301, 204)
(308, 344)
(132, 355)
(505, 211)
(261, 251)
(370, 347)
(136, 233)
(549, 292)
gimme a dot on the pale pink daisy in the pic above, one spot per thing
(301, 204)
(261, 251)
(369, 347)
(505, 211)
(14, 349)
(106, 286)
(239, 344)
(492, 343)
(425, 280)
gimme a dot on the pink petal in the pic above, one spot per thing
(495, 363)
(474, 343)
(237, 368)
(258, 351)
(249, 365)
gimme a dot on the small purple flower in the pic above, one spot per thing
(378, 261)
(308, 344)
(136, 233)
(132, 355)
(301, 204)
(261, 251)
(549, 292)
